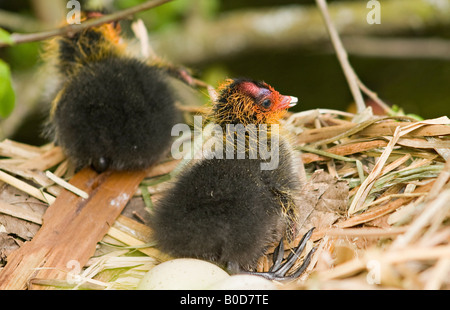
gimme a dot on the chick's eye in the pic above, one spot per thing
(266, 103)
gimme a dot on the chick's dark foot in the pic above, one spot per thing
(279, 269)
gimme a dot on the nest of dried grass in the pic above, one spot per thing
(376, 189)
(394, 231)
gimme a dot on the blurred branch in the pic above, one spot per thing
(398, 47)
(72, 29)
(17, 21)
(290, 26)
(373, 95)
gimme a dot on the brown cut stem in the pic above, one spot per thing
(72, 227)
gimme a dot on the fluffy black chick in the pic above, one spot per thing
(230, 210)
(112, 111)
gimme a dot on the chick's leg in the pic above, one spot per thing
(279, 269)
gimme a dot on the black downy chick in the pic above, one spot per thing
(113, 111)
(229, 211)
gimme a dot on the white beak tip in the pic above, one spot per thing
(294, 101)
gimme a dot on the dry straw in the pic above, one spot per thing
(401, 218)
(393, 233)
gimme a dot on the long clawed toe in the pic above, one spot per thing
(279, 270)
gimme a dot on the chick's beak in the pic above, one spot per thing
(287, 102)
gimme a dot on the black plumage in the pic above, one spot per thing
(230, 211)
(113, 111)
(225, 210)
(117, 111)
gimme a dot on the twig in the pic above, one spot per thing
(70, 30)
(441, 180)
(439, 274)
(342, 56)
(31, 190)
(404, 255)
(130, 240)
(66, 185)
(32, 216)
(434, 206)
(368, 183)
(373, 96)
(362, 232)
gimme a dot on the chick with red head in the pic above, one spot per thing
(229, 210)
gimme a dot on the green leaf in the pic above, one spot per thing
(7, 96)
(415, 116)
(5, 37)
